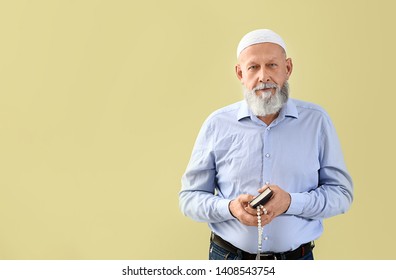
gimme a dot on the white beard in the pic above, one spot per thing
(265, 103)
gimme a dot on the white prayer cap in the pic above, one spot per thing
(260, 36)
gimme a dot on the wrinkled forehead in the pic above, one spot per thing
(266, 52)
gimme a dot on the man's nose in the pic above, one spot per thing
(264, 77)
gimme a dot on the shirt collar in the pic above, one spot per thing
(288, 110)
(244, 111)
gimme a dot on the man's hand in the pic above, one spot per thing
(241, 210)
(277, 205)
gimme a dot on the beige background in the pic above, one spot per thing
(101, 101)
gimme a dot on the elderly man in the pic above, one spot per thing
(265, 141)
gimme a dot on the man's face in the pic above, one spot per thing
(263, 63)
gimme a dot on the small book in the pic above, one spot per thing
(262, 198)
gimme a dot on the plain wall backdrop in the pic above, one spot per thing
(101, 102)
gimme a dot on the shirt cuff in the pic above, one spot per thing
(296, 204)
(224, 211)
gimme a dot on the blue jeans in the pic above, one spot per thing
(218, 253)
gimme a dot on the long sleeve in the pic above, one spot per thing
(197, 198)
(334, 194)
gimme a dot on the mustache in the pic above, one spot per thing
(265, 86)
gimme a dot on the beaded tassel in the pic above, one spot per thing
(260, 232)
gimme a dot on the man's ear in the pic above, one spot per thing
(238, 72)
(289, 67)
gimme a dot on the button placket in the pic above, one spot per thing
(267, 164)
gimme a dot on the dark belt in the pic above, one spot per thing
(290, 255)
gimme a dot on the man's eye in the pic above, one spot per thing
(252, 67)
(272, 65)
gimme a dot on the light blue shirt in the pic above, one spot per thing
(237, 153)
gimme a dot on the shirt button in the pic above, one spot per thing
(265, 237)
(267, 183)
(267, 155)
